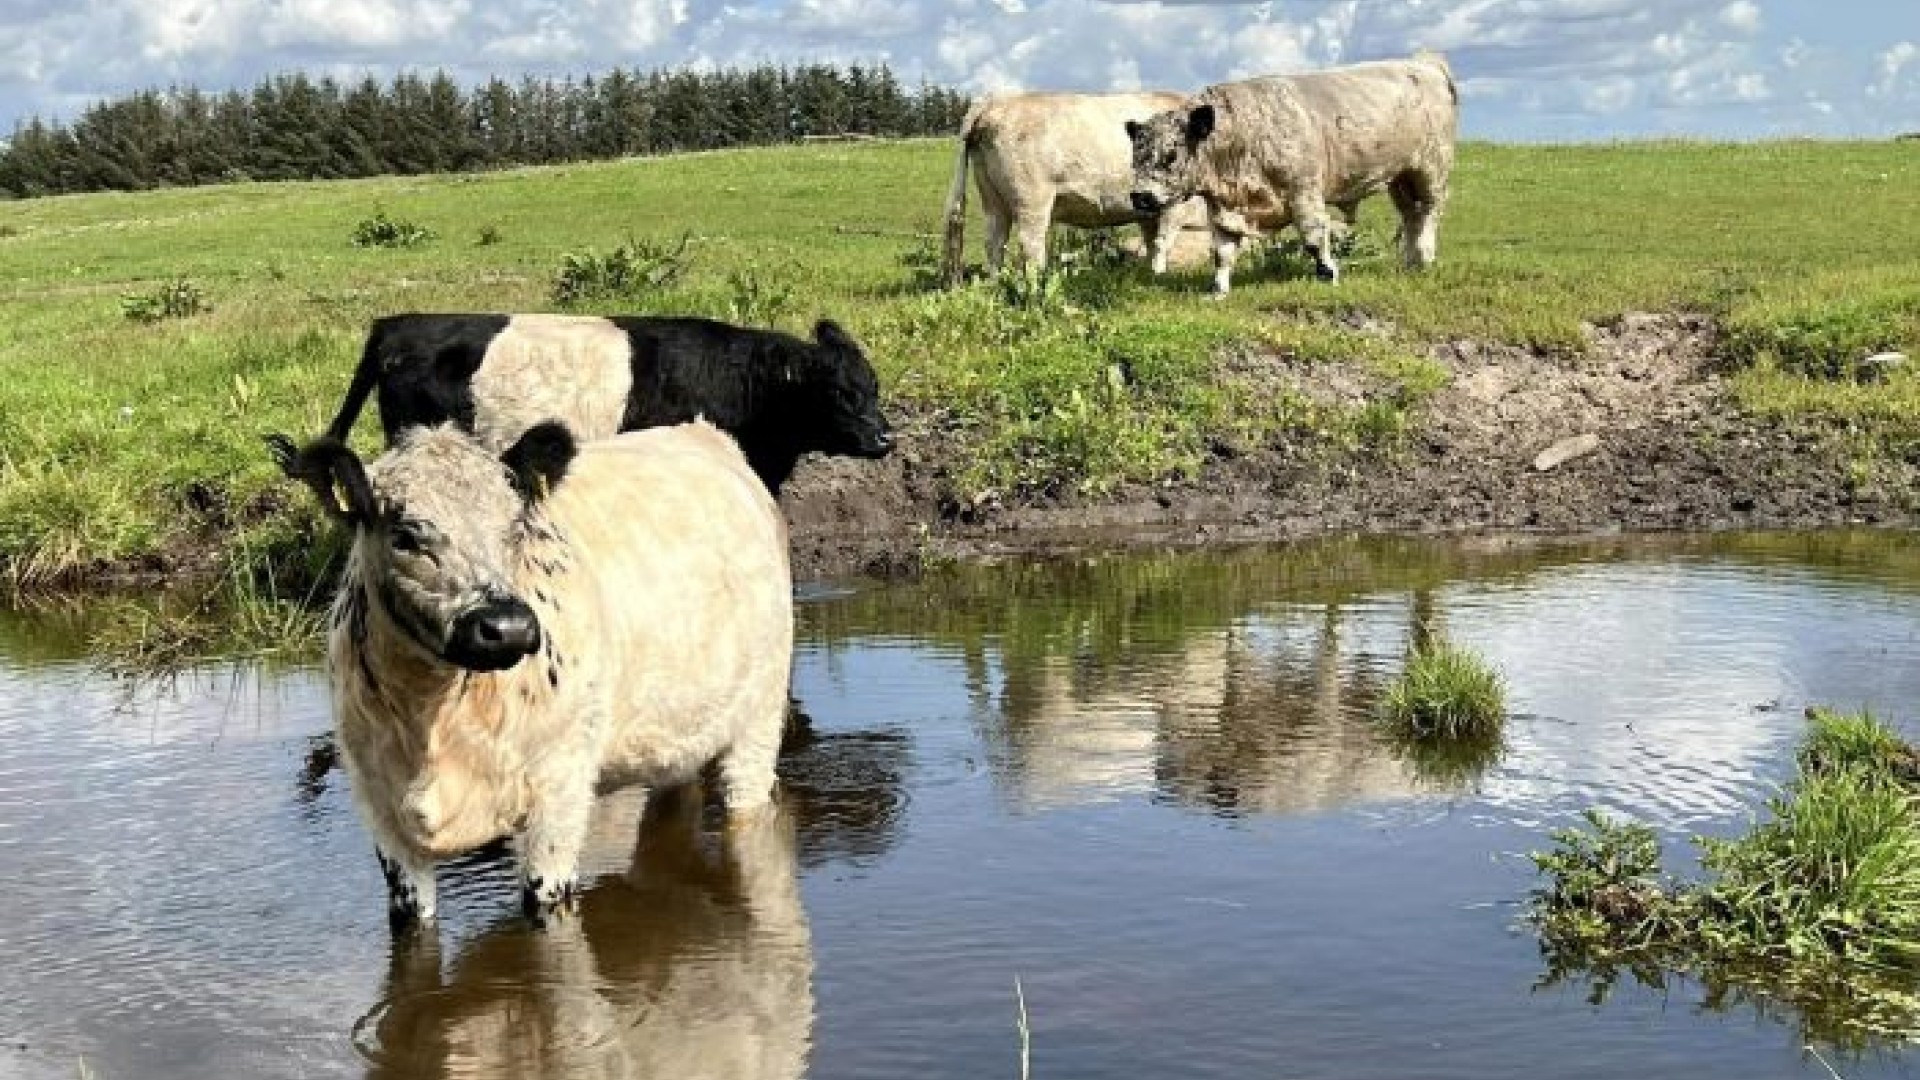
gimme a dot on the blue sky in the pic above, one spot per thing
(1530, 69)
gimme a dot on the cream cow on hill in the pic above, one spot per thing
(1041, 159)
(1268, 152)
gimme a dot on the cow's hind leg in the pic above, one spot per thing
(999, 218)
(411, 895)
(1316, 232)
(1418, 200)
(1030, 229)
(746, 772)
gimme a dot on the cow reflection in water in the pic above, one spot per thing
(695, 962)
(1260, 716)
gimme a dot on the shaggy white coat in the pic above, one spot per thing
(1285, 148)
(658, 571)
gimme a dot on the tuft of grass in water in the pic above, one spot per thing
(241, 618)
(1446, 692)
(1817, 906)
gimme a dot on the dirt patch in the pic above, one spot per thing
(1671, 451)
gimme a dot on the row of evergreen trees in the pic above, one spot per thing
(292, 127)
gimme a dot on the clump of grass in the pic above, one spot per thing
(488, 236)
(757, 299)
(240, 618)
(1446, 692)
(385, 232)
(1819, 905)
(175, 299)
(634, 267)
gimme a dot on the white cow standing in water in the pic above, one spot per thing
(513, 632)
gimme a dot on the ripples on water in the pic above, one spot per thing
(1148, 787)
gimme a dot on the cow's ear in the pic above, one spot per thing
(1199, 123)
(1133, 131)
(539, 459)
(828, 333)
(332, 470)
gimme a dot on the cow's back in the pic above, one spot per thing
(1070, 150)
(679, 588)
(1347, 131)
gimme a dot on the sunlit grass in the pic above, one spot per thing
(116, 433)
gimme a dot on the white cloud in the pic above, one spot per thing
(1892, 63)
(1742, 16)
(1551, 68)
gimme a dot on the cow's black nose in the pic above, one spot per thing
(493, 636)
(1144, 201)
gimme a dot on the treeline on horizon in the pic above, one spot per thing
(293, 127)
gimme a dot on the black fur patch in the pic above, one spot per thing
(540, 458)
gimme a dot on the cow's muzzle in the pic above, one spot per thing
(1145, 201)
(493, 635)
(876, 444)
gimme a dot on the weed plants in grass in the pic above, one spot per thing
(175, 299)
(382, 231)
(634, 268)
(1446, 692)
(1817, 905)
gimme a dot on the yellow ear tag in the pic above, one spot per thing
(539, 486)
(340, 497)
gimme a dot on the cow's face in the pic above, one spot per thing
(1164, 150)
(436, 520)
(848, 394)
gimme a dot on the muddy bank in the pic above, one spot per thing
(1639, 432)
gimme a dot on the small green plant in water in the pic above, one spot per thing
(384, 232)
(1818, 906)
(176, 299)
(1446, 692)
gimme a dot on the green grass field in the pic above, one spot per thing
(123, 439)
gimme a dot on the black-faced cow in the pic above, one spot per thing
(1046, 158)
(498, 375)
(513, 632)
(1267, 152)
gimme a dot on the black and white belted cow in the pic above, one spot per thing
(497, 375)
(514, 631)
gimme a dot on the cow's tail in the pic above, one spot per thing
(953, 264)
(1440, 61)
(364, 378)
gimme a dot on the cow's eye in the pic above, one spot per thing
(406, 540)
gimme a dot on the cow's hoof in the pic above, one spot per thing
(543, 901)
(406, 919)
(1328, 274)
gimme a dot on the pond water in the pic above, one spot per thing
(1145, 787)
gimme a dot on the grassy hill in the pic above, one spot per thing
(132, 444)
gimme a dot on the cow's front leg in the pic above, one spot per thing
(411, 896)
(551, 839)
(1316, 233)
(1158, 231)
(1226, 248)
